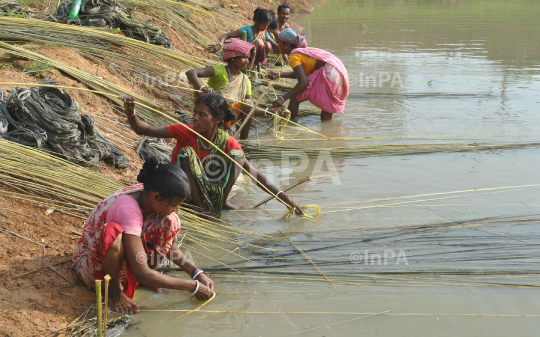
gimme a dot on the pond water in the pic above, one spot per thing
(446, 243)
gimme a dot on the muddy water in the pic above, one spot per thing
(421, 72)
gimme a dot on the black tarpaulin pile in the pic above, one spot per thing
(111, 14)
(49, 119)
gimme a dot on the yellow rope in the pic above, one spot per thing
(290, 212)
(393, 283)
(280, 124)
(332, 313)
(196, 309)
(307, 258)
(432, 194)
(417, 201)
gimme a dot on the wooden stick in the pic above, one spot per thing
(23, 237)
(38, 269)
(307, 258)
(237, 134)
(48, 223)
(299, 182)
(98, 308)
(62, 276)
(107, 279)
(350, 320)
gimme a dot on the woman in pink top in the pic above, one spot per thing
(128, 233)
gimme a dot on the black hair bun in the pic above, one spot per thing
(150, 167)
(262, 15)
(230, 116)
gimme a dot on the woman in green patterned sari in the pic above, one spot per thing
(211, 174)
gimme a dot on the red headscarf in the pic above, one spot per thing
(236, 47)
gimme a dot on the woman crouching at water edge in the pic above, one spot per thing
(211, 175)
(322, 77)
(230, 82)
(128, 233)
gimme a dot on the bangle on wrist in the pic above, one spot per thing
(194, 271)
(133, 114)
(197, 273)
(278, 75)
(201, 88)
(196, 288)
(278, 193)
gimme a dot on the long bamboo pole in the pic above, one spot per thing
(99, 322)
(107, 279)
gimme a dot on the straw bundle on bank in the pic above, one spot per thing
(14, 28)
(62, 186)
(93, 82)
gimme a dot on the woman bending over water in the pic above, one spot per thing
(211, 175)
(128, 233)
(230, 82)
(322, 78)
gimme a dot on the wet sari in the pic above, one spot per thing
(328, 87)
(212, 172)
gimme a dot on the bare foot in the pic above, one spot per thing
(226, 205)
(119, 302)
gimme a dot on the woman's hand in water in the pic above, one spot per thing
(214, 48)
(297, 207)
(282, 112)
(204, 293)
(206, 281)
(278, 103)
(273, 75)
(129, 105)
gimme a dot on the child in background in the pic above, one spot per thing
(256, 34)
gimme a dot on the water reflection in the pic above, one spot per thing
(476, 63)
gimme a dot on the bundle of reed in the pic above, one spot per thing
(274, 152)
(94, 82)
(175, 14)
(59, 185)
(16, 28)
(147, 65)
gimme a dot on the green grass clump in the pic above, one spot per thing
(15, 13)
(38, 67)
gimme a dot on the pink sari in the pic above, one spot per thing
(157, 234)
(328, 87)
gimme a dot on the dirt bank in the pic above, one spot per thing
(33, 299)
